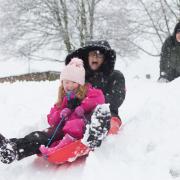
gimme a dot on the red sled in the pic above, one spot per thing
(72, 151)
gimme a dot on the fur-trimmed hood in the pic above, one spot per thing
(175, 31)
(104, 47)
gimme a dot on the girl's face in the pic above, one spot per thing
(70, 85)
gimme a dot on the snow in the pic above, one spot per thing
(16, 67)
(146, 147)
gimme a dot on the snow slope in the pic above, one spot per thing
(145, 148)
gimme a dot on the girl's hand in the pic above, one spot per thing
(79, 111)
(65, 113)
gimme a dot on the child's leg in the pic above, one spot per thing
(75, 128)
(67, 139)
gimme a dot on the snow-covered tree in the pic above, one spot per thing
(154, 21)
(29, 25)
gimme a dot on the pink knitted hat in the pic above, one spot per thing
(74, 71)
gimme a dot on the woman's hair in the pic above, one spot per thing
(80, 94)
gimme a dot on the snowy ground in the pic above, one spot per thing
(146, 147)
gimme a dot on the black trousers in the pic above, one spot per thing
(29, 145)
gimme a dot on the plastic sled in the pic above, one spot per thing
(72, 151)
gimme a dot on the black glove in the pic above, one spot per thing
(73, 103)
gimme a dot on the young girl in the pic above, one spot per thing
(76, 102)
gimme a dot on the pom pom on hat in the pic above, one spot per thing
(76, 62)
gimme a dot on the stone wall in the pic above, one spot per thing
(38, 76)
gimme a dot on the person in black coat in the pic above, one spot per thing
(170, 57)
(99, 61)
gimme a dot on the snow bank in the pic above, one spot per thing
(146, 148)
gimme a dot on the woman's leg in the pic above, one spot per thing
(19, 148)
(98, 126)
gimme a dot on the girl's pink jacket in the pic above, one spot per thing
(92, 99)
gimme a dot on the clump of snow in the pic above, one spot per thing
(95, 127)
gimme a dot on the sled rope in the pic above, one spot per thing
(55, 131)
(68, 94)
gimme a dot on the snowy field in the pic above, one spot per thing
(146, 148)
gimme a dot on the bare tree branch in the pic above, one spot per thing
(165, 17)
(165, 1)
(143, 50)
(151, 19)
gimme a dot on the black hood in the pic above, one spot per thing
(104, 47)
(175, 31)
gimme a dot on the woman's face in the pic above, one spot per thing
(95, 60)
(70, 85)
